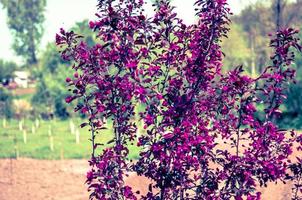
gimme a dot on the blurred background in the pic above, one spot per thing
(35, 120)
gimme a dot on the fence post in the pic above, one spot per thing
(16, 146)
(49, 130)
(77, 135)
(4, 122)
(62, 153)
(72, 127)
(21, 125)
(37, 123)
(51, 143)
(33, 129)
(24, 136)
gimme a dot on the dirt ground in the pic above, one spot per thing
(29, 179)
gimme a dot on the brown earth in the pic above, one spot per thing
(29, 179)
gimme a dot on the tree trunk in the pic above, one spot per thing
(278, 14)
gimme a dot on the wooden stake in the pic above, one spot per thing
(51, 143)
(62, 153)
(21, 125)
(77, 135)
(4, 122)
(37, 123)
(16, 146)
(49, 131)
(16, 152)
(72, 127)
(33, 129)
(24, 136)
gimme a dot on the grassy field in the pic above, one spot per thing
(59, 143)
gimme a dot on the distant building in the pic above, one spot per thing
(21, 78)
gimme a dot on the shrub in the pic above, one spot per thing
(203, 138)
(22, 108)
(50, 95)
(6, 109)
(6, 71)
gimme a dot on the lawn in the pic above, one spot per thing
(50, 140)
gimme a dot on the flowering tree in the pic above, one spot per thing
(204, 139)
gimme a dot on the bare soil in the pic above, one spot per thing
(29, 179)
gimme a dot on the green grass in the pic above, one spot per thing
(38, 144)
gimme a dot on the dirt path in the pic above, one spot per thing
(28, 179)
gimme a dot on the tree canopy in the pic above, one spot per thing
(25, 19)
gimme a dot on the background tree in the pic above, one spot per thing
(259, 19)
(6, 71)
(82, 28)
(49, 97)
(50, 60)
(25, 19)
(288, 12)
(6, 109)
(236, 48)
(256, 22)
(292, 110)
(51, 74)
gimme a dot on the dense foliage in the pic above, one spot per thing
(203, 137)
(6, 110)
(48, 99)
(6, 71)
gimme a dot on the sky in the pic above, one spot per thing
(65, 13)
